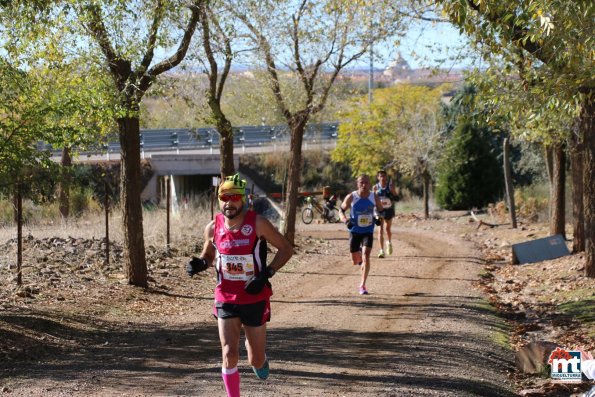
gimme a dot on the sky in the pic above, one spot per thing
(424, 45)
(427, 44)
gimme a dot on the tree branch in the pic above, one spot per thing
(119, 67)
(296, 46)
(265, 47)
(178, 56)
(227, 51)
(518, 34)
(206, 43)
(157, 17)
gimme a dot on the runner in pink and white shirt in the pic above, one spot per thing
(236, 245)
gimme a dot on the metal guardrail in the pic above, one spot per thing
(208, 138)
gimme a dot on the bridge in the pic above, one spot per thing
(191, 156)
(247, 139)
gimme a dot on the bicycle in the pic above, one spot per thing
(312, 205)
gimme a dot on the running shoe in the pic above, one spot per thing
(363, 291)
(381, 254)
(389, 248)
(262, 373)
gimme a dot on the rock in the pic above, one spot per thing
(532, 358)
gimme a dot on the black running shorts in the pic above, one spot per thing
(251, 314)
(389, 213)
(357, 240)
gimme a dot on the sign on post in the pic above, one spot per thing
(542, 249)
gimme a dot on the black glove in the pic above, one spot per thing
(377, 221)
(196, 265)
(256, 283)
(349, 224)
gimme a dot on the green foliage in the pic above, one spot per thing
(318, 170)
(21, 125)
(399, 131)
(469, 103)
(6, 211)
(540, 56)
(83, 200)
(469, 174)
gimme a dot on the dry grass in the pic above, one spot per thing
(184, 224)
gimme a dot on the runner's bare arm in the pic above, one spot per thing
(393, 189)
(345, 205)
(266, 230)
(208, 250)
(379, 207)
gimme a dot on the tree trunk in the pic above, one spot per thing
(64, 198)
(588, 131)
(508, 183)
(549, 164)
(557, 200)
(578, 215)
(426, 193)
(293, 180)
(19, 216)
(226, 147)
(135, 265)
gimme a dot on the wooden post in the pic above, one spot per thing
(106, 204)
(508, 180)
(19, 210)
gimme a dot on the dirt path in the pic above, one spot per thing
(423, 331)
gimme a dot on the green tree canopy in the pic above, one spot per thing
(400, 129)
(469, 174)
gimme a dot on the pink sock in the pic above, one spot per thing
(231, 379)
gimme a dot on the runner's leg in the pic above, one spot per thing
(229, 335)
(365, 265)
(381, 234)
(256, 344)
(389, 235)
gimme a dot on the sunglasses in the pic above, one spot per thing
(231, 197)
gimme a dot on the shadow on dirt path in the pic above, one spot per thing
(423, 331)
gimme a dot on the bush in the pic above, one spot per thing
(6, 211)
(469, 174)
(82, 200)
(317, 171)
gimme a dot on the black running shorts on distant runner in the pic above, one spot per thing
(251, 314)
(389, 213)
(356, 240)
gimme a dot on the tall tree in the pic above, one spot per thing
(21, 124)
(310, 41)
(469, 174)
(123, 37)
(217, 41)
(401, 130)
(555, 41)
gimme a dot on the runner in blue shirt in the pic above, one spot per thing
(365, 213)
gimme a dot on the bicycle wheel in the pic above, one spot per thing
(333, 216)
(307, 215)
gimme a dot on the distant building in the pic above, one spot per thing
(399, 71)
(398, 68)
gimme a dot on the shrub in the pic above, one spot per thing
(317, 171)
(469, 174)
